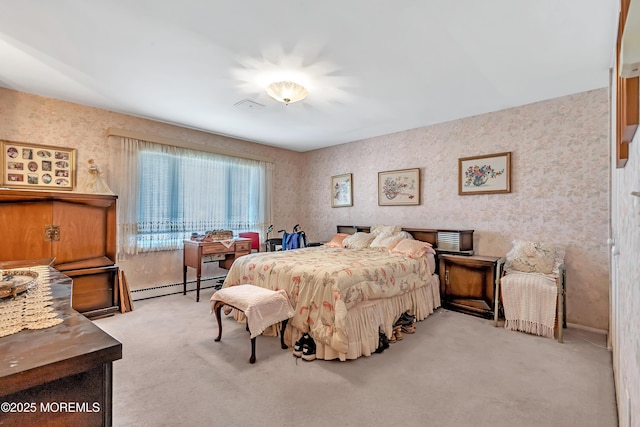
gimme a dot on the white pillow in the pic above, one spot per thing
(377, 229)
(405, 235)
(386, 240)
(534, 257)
(358, 240)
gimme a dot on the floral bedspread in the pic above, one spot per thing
(323, 283)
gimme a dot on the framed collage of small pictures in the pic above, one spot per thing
(33, 166)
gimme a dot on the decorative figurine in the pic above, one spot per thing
(95, 183)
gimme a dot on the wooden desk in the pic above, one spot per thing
(67, 364)
(194, 250)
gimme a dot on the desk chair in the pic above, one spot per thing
(255, 239)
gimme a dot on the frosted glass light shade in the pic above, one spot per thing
(287, 91)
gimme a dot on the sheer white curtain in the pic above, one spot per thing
(166, 193)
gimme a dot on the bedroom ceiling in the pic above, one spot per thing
(370, 68)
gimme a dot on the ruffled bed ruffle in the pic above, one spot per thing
(366, 319)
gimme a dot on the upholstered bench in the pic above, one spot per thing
(262, 307)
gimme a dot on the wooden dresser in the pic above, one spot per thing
(79, 230)
(58, 376)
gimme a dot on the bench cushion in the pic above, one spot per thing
(263, 307)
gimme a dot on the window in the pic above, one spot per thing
(181, 191)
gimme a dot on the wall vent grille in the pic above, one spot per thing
(247, 104)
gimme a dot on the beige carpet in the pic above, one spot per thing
(456, 370)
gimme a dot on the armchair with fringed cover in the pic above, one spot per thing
(532, 289)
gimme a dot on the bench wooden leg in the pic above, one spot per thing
(252, 359)
(284, 326)
(216, 308)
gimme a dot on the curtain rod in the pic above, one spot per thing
(184, 144)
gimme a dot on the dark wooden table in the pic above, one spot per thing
(58, 376)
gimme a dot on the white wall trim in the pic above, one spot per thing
(587, 328)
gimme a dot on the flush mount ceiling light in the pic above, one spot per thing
(287, 91)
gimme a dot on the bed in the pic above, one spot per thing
(343, 296)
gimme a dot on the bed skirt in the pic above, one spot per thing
(367, 318)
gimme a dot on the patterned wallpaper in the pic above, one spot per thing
(559, 180)
(560, 187)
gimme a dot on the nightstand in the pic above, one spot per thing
(468, 283)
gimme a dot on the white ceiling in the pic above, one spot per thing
(371, 67)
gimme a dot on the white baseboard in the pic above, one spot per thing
(174, 288)
(587, 328)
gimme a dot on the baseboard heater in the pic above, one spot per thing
(175, 288)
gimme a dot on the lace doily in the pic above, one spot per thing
(30, 310)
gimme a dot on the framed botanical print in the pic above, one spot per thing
(33, 166)
(487, 174)
(399, 187)
(341, 190)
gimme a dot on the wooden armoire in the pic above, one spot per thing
(78, 230)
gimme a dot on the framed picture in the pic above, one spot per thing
(40, 167)
(341, 190)
(398, 188)
(488, 174)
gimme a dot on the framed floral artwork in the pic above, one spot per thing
(341, 190)
(488, 174)
(399, 187)
(41, 167)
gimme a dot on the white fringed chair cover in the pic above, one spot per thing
(530, 302)
(531, 286)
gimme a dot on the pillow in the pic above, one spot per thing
(405, 235)
(377, 229)
(412, 248)
(534, 257)
(336, 242)
(358, 240)
(386, 240)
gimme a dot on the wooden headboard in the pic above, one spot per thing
(352, 229)
(446, 241)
